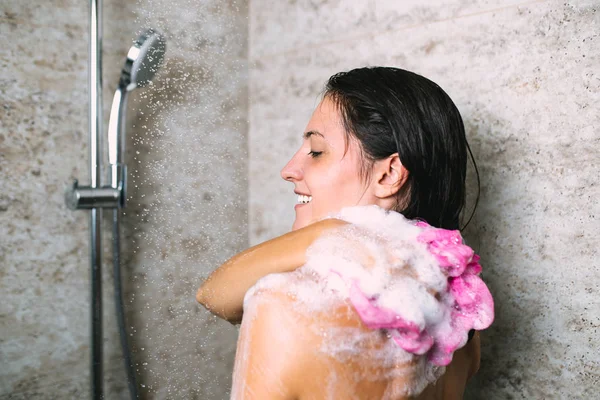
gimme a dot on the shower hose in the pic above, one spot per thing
(129, 368)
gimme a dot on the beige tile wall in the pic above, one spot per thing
(525, 76)
(187, 212)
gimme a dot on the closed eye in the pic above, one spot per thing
(314, 154)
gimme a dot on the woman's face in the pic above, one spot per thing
(321, 171)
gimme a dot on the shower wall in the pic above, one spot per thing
(525, 76)
(187, 211)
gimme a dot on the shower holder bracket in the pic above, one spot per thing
(86, 197)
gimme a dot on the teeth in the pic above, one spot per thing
(304, 199)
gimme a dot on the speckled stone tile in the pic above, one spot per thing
(187, 211)
(287, 26)
(525, 78)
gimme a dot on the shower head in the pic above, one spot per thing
(143, 60)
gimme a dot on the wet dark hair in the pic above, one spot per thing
(391, 110)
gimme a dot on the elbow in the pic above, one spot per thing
(203, 297)
(200, 296)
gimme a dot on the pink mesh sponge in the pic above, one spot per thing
(467, 302)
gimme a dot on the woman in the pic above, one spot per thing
(382, 137)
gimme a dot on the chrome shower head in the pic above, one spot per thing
(143, 60)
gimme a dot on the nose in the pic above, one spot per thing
(293, 169)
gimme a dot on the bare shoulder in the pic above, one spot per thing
(275, 346)
(288, 320)
(305, 314)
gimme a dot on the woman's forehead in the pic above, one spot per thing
(326, 122)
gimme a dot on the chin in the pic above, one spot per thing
(299, 225)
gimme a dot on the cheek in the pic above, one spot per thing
(334, 188)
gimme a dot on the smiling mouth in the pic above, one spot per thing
(302, 199)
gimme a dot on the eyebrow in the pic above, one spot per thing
(310, 133)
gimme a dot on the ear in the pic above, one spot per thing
(388, 176)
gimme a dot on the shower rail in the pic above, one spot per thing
(95, 197)
(142, 62)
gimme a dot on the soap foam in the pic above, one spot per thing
(380, 266)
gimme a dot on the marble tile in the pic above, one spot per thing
(525, 79)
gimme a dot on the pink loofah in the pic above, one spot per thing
(447, 248)
(406, 334)
(468, 299)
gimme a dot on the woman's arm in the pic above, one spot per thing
(223, 291)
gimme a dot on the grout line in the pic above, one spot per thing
(298, 49)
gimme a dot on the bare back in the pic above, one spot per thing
(330, 354)
(361, 374)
